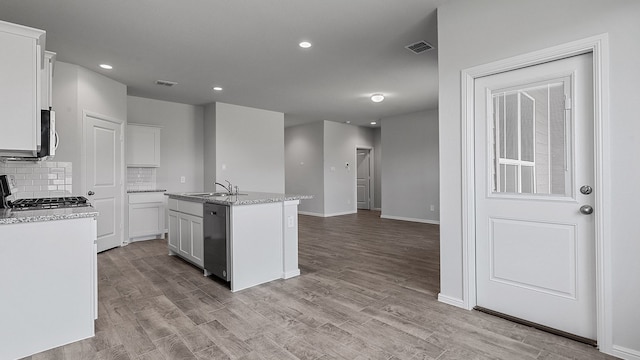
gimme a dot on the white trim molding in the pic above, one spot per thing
(402, 218)
(450, 300)
(326, 215)
(598, 46)
(625, 353)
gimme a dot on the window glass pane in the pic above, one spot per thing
(558, 136)
(531, 152)
(511, 127)
(527, 108)
(527, 180)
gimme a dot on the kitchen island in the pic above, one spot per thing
(261, 234)
(48, 277)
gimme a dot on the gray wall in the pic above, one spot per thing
(547, 23)
(325, 147)
(249, 148)
(304, 164)
(210, 147)
(76, 89)
(410, 183)
(377, 168)
(181, 141)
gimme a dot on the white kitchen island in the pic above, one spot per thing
(48, 279)
(263, 234)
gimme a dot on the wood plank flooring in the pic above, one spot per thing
(367, 291)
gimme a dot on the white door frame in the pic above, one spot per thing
(83, 159)
(598, 46)
(372, 191)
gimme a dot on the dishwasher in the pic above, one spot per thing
(216, 241)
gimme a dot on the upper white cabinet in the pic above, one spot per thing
(143, 146)
(21, 58)
(46, 88)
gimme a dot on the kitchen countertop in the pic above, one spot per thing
(251, 198)
(145, 191)
(8, 216)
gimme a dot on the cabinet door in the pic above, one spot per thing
(191, 238)
(46, 79)
(185, 235)
(19, 95)
(143, 146)
(197, 240)
(174, 232)
(146, 219)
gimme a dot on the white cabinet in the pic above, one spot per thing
(143, 146)
(186, 237)
(50, 299)
(46, 80)
(146, 216)
(20, 66)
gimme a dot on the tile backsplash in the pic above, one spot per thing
(39, 179)
(141, 178)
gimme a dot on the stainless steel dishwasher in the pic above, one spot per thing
(216, 240)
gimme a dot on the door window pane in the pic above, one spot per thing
(531, 147)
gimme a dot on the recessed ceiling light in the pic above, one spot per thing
(377, 98)
(305, 44)
(106, 66)
(217, 88)
(373, 123)
(348, 122)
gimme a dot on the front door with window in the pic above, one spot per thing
(534, 178)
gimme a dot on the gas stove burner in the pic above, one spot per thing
(50, 203)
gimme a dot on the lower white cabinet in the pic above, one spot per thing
(186, 238)
(146, 216)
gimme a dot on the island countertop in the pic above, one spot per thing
(8, 216)
(244, 198)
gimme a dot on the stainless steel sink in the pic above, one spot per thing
(208, 194)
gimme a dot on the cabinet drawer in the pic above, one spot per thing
(192, 208)
(187, 207)
(141, 198)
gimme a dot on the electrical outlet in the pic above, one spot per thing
(432, 208)
(290, 221)
(183, 179)
(348, 201)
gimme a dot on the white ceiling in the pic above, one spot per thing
(250, 48)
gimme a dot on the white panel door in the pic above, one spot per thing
(363, 179)
(534, 231)
(103, 171)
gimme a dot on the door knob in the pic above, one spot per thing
(586, 209)
(586, 189)
(91, 193)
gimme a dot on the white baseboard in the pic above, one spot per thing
(290, 274)
(625, 353)
(326, 215)
(451, 301)
(310, 213)
(425, 221)
(376, 209)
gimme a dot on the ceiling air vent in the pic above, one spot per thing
(166, 83)
(419, 47)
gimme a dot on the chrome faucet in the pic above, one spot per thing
(229, 187)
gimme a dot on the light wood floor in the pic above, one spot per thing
(367, 291)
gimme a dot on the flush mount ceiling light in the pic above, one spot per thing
(106, 66)
(377, 98)
(373, 123)
(305, 44)
(217, 88)
(348, 122)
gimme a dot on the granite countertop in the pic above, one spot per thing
(245, 198)
(8, 216)
(145, 191)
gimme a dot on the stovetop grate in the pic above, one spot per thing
(50, 203)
